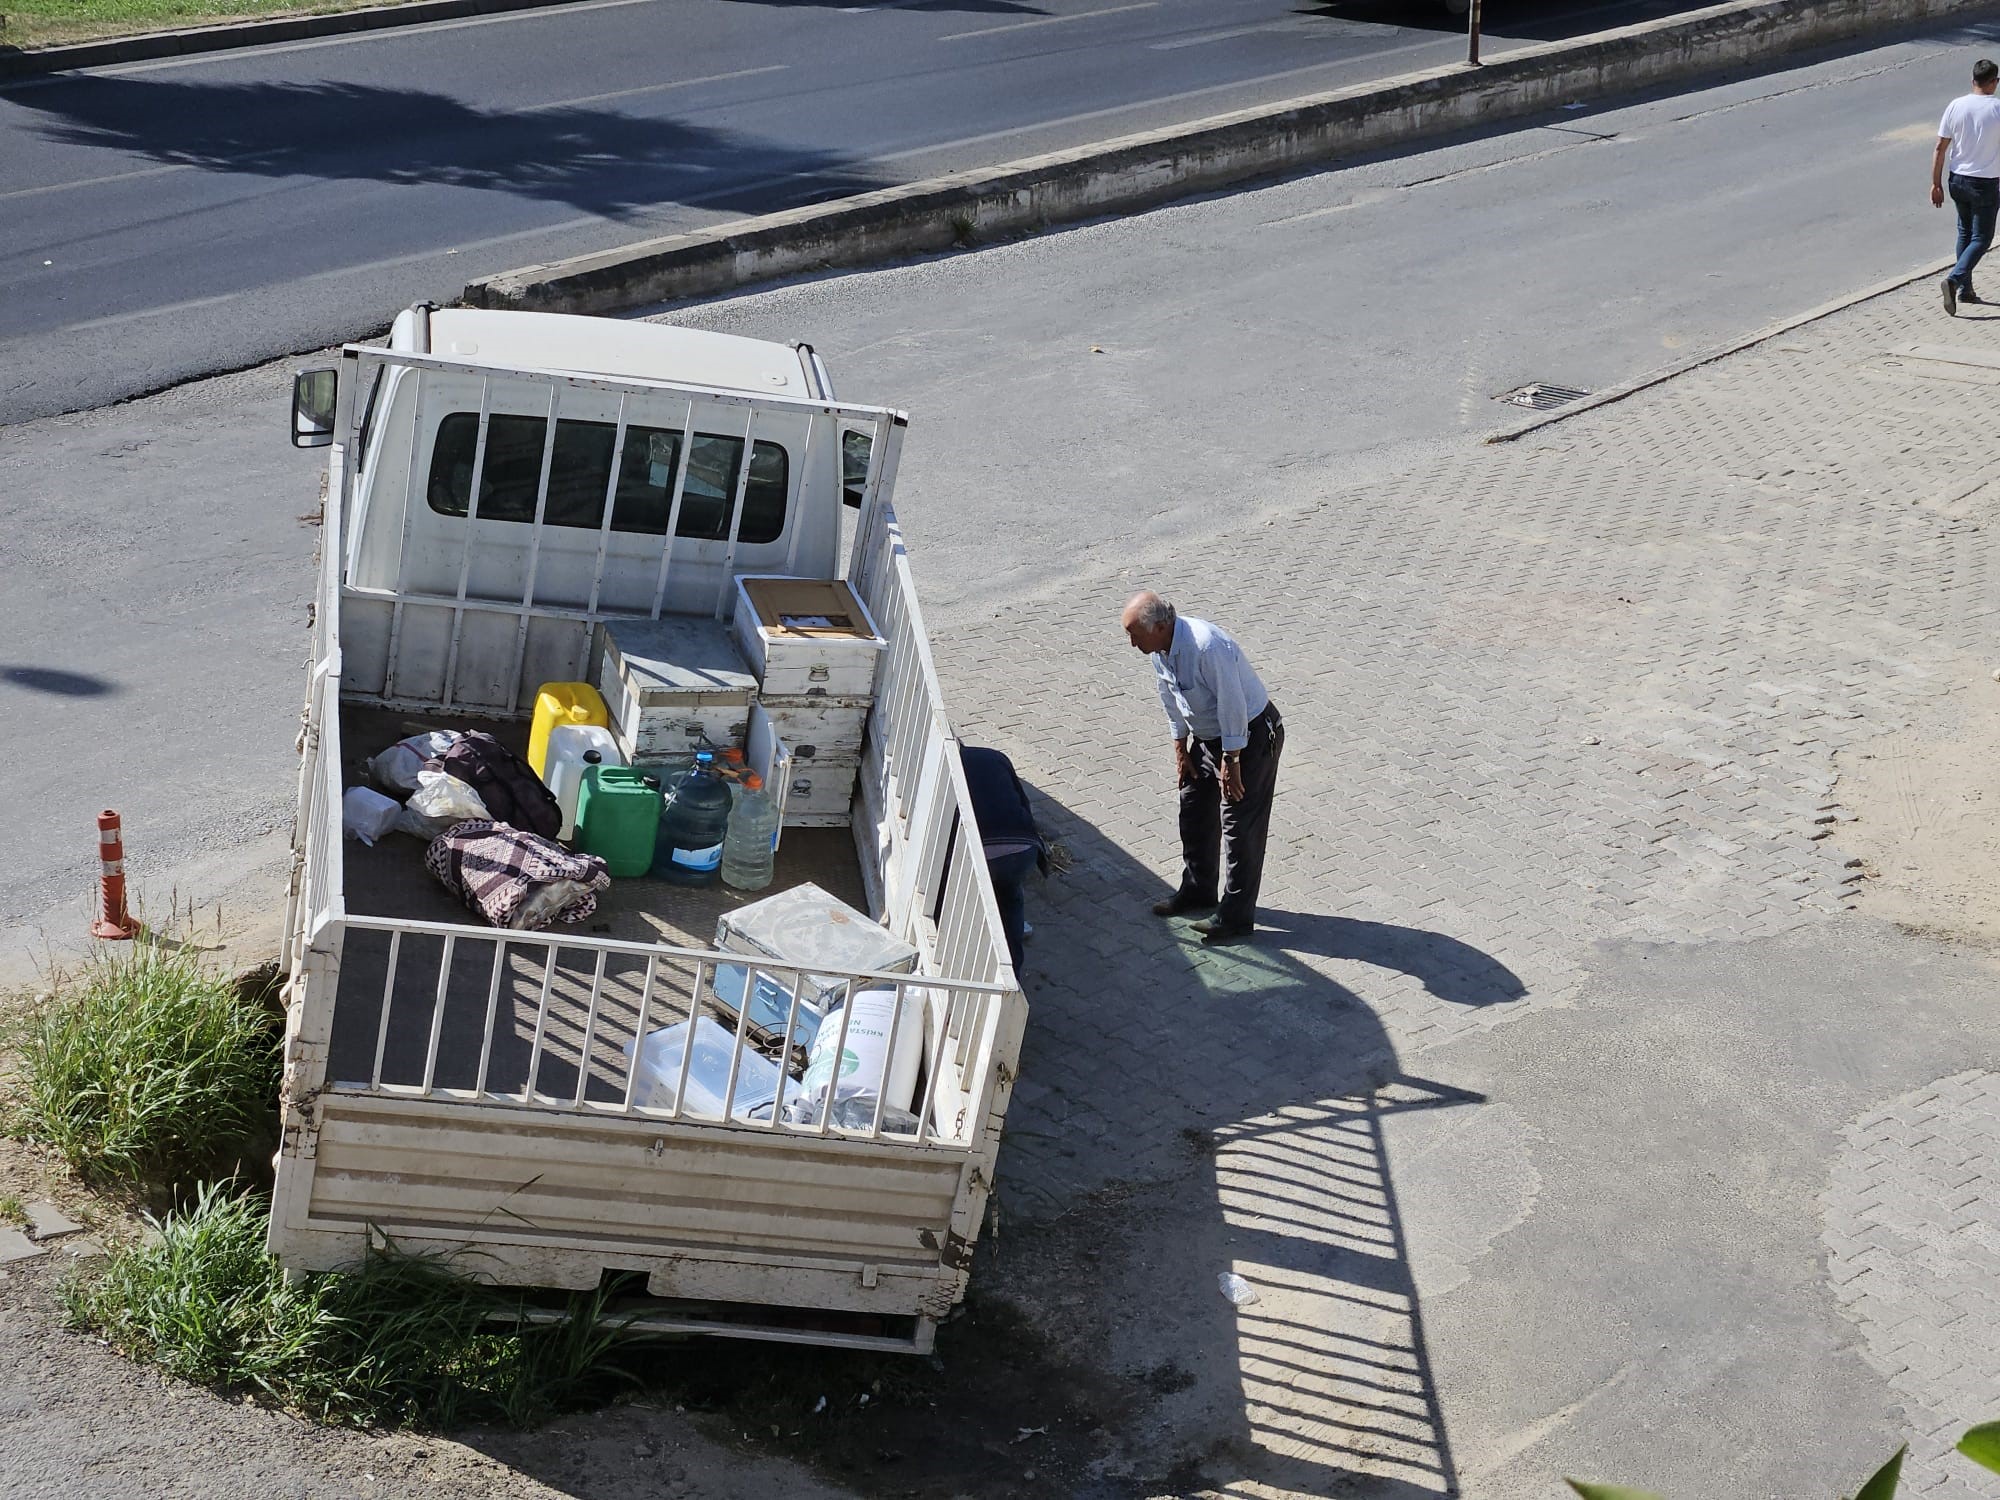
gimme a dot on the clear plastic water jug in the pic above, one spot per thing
(749, 848)
(693, 824)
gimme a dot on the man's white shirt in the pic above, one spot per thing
(1972, 124)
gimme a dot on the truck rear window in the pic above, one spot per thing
(580, 472)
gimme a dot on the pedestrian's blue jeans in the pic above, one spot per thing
(1010, 872)
(1978, 202)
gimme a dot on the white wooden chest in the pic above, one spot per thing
(807, 636)
(673, 684)
(819, 726)
(820, 792)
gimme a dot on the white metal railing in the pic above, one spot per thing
(818, 415)
(594, 1040)
(936, 889)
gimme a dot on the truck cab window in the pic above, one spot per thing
(580, 471)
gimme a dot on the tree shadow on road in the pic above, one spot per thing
(600, 160)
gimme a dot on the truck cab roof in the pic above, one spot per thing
(614, 348)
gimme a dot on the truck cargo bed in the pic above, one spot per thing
(390, 880)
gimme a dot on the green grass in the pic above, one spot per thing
(148, 1073)
(400, 1341)
(12, 1210)
(47, 23)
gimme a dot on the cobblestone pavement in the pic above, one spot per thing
(1579, 687)
(1585, 685)
(1913, 1250)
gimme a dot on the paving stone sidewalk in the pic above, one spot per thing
(1583, 686)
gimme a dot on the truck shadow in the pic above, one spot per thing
(1181, 1115)
(601, 160)
(1226, 1113)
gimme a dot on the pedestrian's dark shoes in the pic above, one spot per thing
(1216, 932)
(1181, 904)
(1967, 294)
(1950, 296)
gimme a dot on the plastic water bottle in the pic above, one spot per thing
(688, 848)
(749, 854)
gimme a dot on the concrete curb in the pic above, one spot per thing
(1144, 170)
(17, 63)
(1614, 394)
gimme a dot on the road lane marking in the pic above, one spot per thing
(1224, 36)
(652, 88)
(84, 182)
(1088, 15)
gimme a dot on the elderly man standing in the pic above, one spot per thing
(1227, 739)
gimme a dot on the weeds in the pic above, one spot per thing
(148, 1073)
(400, 1340)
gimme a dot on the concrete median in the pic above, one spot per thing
(1140, 171)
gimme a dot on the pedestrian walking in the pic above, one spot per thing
(1013, 845)
(1227, 739)
(1968, 149)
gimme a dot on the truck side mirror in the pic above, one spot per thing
(315, 396)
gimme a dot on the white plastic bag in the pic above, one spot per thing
(440, 802)
(397, 767)
(366, 814)
(864, 1068)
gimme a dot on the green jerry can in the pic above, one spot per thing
(618, 817)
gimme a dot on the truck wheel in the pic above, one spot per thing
(1458, 7)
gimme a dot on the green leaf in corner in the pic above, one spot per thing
(1608, 1491)
(1981, 1444)
(1882, 1484)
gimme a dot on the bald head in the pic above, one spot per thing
(1149, 622)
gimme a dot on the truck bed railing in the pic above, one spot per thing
(577, 1047)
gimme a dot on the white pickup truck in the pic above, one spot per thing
(505, 493)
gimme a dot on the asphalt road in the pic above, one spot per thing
(165, 220)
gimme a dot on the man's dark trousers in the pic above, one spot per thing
(1222, 842)
(1978, 202)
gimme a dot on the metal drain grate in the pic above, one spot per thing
(1543, 395)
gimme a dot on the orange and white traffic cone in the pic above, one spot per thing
(113, 920)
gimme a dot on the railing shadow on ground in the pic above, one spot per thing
(1282, 1076)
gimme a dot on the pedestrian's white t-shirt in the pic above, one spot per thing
(1972, 123)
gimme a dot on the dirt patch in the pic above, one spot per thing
(1920, 812)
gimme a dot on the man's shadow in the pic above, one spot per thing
(1221, 1113)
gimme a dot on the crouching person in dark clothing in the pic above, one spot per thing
(1014, 845)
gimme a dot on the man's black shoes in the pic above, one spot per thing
(1215, 931)
(1181, 904)
(1950, 296)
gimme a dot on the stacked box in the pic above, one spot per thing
(673, 685)
(815, 650)
(803, 925)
